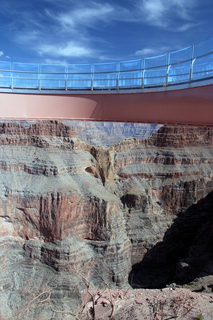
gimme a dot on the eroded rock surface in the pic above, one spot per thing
(73, 215)
(181, 304)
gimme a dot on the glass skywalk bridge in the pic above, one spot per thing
(183, 66)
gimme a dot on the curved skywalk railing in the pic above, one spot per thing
(189, 64)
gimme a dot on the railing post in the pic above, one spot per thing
(92, 77)
(191, 69)
(167, 70)
(118, 76)
(92, 82)
(117, 81)
(167, 74)
(39, 77)
(142, 82)
(11, 80)
(191, 65)
(66, 78)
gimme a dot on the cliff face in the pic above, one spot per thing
(70, 211)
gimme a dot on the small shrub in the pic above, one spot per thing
(199, 316)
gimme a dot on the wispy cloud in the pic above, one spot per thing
(151, 52)
(1, 53)
(70, 49)
(29, 37)
(85, 16)
(145, 52)
(55, 61)
(109, 58)
(186, 27)
(162, 13)
(153, 11)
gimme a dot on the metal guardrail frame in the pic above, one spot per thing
(41, 76)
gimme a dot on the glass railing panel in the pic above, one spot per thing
(156, 61)
(24, 81)
(180, 55)
(78, 84)
(53, 76)
(131, 65)
(79, 68)
(51, 83)
(179, 72)
(55, 70)
(26, 68)
(79, 76)
(25, 75)
(155, 77)
(203, 47)
(105, 80)
(130, 79)
(105, 67)
(203, 67)
(105, 76)
(5, 74)
(78, 81)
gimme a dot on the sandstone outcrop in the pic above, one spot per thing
(73, 214)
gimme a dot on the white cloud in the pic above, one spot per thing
(70, 49)
(162, 13)
(145, 51)
(152, 52)
(154, 11)
(29, 37)
(1, 53)
(185, 27)
(55, 61)
(85, 16)
(107, 58)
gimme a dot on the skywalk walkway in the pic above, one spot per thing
(171, 88)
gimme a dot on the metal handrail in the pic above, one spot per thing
(69, 80)
(107, 72)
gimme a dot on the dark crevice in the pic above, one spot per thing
(134, 201)
(101, 171)
(92, 172)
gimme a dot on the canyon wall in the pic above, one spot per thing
(106, 134)
(74, 215)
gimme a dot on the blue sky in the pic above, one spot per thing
(84, 31)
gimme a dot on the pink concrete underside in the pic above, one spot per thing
(194, 105)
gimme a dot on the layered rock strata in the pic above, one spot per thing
(73, 215)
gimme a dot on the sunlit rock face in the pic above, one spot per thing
(71, 211)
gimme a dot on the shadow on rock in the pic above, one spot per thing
(186, 252)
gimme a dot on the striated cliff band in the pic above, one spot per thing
(76, 216)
